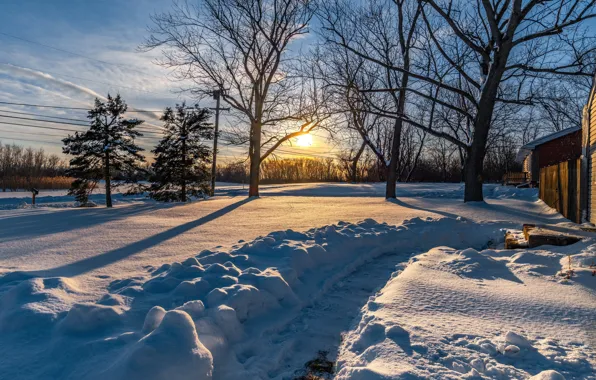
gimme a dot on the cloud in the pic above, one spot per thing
(48, 80)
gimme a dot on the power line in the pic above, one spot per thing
(77, 54)
(43, 106)
(60, 129)
(147, 128)
(301, 153)
(39, 126)
(154, 131)
(31, 133)
(40, 141)
(46, 116)
(282, 149)
(60, 122)
(72, 108)
(46, 121)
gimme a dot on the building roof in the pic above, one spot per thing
(525, 150)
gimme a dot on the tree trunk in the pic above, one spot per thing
(415, 163)
(473, 169)
(355, 162)
(255, 159)
(184, 163)
(390, 191)
(107, 178)
(486, 105)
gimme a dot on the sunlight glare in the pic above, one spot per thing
(304, 140)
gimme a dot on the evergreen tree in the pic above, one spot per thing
(180, 167)
(107, 148)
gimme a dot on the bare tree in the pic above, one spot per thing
(498, 49)
(242, 48)
(388, 31)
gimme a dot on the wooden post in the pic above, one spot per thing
(572, 191)
(584, 168)
(34, 192)
(559, 190)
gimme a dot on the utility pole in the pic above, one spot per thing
(216, 95)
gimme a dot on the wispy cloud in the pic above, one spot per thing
(45, 80)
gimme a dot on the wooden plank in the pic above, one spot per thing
(513, 242)
(560, 188)
(591, 185)
(578, 190)
(572, 190)
(540, 236)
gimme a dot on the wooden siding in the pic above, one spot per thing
(562, 149)
(590, 123)
(560, 188)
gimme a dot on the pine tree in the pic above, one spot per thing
(107, 148)
(180, 167)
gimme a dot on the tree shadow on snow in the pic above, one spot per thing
(401, 203)
(107, 258)
(532, 217)
(40, 224)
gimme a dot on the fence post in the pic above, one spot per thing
(572, 201)
(34, 192)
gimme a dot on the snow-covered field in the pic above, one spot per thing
(236, 288)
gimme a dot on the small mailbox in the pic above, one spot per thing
(34, 192)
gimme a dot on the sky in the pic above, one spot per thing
(37, 39)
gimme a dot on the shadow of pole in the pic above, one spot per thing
(401, 203)
(98, 261)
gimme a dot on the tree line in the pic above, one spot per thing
(23, 168)
(438, 163)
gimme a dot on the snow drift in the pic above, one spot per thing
(479, 314)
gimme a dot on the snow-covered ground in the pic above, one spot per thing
(236, 288)
(479, 313)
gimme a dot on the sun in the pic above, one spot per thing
(304, 140)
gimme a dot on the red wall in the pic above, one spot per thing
(563, 149)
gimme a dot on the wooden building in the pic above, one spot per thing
(588, 185)
(563, 164)
(553, 162)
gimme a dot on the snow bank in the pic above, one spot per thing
(172, 352)
(469, 314)
(37, 302)
(214, 313)
(512, 192)
(232, 313)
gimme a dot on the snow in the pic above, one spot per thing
(60, 199)
(232, 288)
(172, 351)
(453, 313)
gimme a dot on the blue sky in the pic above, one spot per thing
(107, 30)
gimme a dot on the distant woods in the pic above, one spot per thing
(23, 168)
(437, 164)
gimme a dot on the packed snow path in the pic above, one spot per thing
(319, 327)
